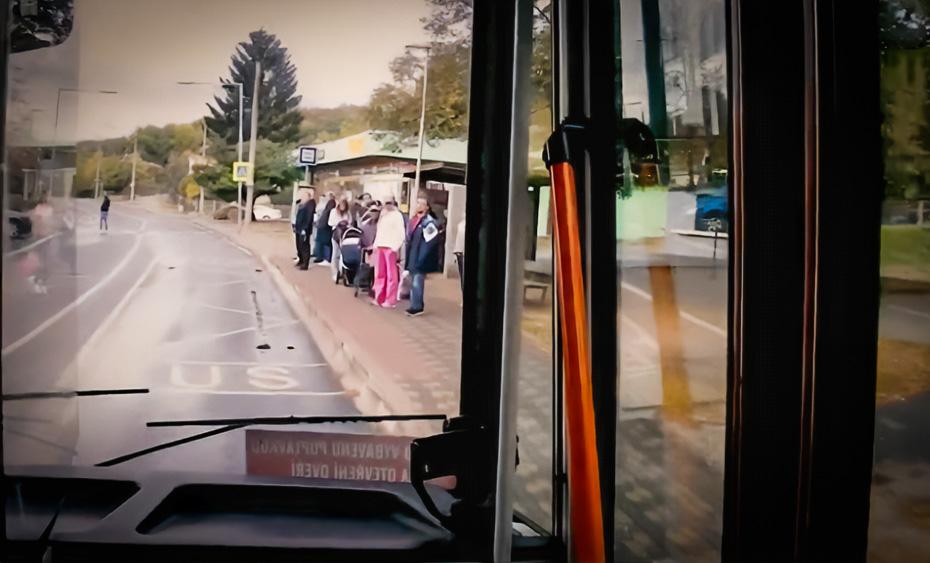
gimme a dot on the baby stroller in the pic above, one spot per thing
(365, 277)
(350, 255)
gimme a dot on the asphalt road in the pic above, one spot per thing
(158, 303)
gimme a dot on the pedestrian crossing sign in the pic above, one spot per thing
(242, 172)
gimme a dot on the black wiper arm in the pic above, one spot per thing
(69, 394)
(230, 424)
(284, 420)
(171, 444)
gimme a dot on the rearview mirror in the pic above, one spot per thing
(37, 24)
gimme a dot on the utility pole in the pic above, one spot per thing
(97, 177)
(250, 188)
(203, 155)
(204, 150)
(416, 181)
(135, 160)
(239, 148)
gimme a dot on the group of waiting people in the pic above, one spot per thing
(386, 235)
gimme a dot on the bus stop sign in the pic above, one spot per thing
(309, 156)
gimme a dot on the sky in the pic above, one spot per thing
(142, 48)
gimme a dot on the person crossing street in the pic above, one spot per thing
(105, 213)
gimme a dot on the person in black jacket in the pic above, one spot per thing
(303, 227)
(323, 249)
(422, 253)
(105, 213)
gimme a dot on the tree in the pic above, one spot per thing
(905, 79)
(326, 124)
(279, 120)
(395, 107)
(274, 171)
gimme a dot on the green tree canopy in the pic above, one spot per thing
(274, 170)
(326, 124)
(279, 119)
(395, 106)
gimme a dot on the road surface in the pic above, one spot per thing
(160, 303)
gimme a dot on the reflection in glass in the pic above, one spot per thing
(672, 222)
(899, 525)
(533, 496)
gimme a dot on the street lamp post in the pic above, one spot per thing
(250, 192)
(51, 184)
(58, 109)
(416, 181)
(135, 162)
(239, 146)
(97, 175)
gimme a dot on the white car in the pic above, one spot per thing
(266, 213)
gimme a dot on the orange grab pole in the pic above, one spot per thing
(584, 492)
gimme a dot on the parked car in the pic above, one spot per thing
(259, 211)
(20, 225)
(712, 204)
(266, 213)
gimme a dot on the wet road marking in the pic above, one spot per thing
(722, 333)
(247, 364)
(253, 328)
(259, 379)
(111, 316)
(225, 283)
(30, 246)
(12, 347)
(238, 311)
(909, 311)
(269, 393)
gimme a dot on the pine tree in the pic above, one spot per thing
(278, 118)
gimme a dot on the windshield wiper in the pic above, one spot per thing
(69, 394)
(229, 424)
(171, 444)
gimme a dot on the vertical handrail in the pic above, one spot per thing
(584, 493)
(513, 281)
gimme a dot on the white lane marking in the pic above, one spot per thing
(722, 333)
(252, 328)
(267, 393)
(641, 332)
(178, 379)
(111, 316)
(239, 311)
(248, 364)
(225, 309)
(909, 311)
(30, 246)
(636, 291)
(240, 248)
(225, 283)
(12, 347)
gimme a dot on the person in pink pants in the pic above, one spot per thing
(389, 238)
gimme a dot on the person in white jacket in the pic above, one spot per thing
(389, 239)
